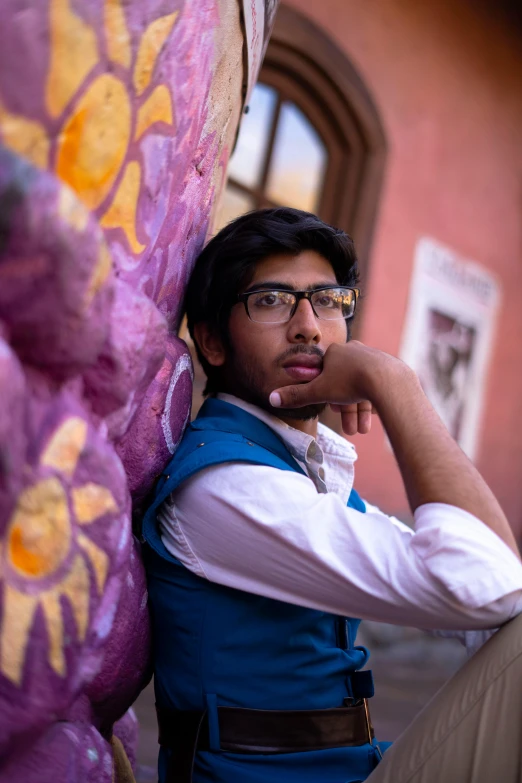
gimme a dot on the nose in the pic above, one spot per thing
(303, 327)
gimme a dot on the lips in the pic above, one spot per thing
(303, 367)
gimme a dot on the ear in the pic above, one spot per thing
(210, 344)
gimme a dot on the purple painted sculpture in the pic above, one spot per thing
(116, 122)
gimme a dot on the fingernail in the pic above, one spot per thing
(275, 400)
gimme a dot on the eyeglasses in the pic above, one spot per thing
(329, 303)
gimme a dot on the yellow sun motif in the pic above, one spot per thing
(39, 538)
(97, 127)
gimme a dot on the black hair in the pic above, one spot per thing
(227, 264)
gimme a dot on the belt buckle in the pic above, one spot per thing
(367, 720)
(349, 701)
(369, 729)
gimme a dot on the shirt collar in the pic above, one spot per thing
(305, 448)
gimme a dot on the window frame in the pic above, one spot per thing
(327, 88)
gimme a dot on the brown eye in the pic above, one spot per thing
(270, 307)
(267, 300)
(271, 299)
(326, 301)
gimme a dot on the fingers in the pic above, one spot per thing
(349, 419)
(296, 396)
(356, 418)
(364, 417)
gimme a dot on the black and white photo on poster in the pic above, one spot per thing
(448, 335)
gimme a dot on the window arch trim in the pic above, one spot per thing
(302, 51)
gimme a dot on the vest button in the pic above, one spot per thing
(249, 444)
(200, 444)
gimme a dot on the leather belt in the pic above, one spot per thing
(260, 731)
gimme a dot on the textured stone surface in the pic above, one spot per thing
(111, 160)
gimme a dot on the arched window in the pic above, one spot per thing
(312, 137)
(280, 158)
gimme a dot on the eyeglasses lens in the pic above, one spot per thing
(333, 303)
(270, 306)
(276, 306)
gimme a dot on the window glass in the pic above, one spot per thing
(298, 161)
(246, 163)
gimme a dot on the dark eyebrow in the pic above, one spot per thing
(270, 285)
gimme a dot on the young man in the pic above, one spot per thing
(262, 558)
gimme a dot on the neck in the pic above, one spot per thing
(308, 426)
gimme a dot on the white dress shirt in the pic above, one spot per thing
(290, 537)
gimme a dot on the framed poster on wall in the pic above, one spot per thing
(448, 335)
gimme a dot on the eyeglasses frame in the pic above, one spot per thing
(299, 295)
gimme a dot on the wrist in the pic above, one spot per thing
(390, 381)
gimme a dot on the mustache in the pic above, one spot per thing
(296, 350)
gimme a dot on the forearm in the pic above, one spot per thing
(352, 564)
(433, 467)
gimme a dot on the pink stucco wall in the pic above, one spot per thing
(446, 80)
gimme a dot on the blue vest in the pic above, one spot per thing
(214, 645)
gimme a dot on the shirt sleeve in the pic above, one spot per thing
(505, 606)
(269, 532)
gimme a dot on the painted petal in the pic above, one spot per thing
(150, 47)
(157, 108)
(53, 619)
(71, 210)
(25, 137)
(122, 211)
(100, 273)
(122, 767)
(17, 620)
(98, 558)
(92, 501)
(39, 534)
(75, 587)
(117, 33)
(92, 144)
(66, 445)
(73, 54)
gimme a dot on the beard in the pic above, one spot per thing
(248, 385)
(300, 414)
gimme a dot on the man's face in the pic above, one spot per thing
(261, 357)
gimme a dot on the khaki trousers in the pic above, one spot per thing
(471, 731)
